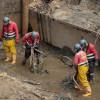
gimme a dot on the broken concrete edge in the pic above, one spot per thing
(42, 94)
(65, 22)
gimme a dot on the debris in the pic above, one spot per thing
(16, 90)
(31, 82)
(85, 14)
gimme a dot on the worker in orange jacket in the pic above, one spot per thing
(10, 37)
(92, 56)
(81, 64)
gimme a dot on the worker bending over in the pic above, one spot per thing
(31, 39)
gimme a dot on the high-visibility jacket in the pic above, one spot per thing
(80, 58)
(10, 31)
(31, 40)
(91, 52)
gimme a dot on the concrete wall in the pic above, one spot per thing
(10, 8)
(58, 33)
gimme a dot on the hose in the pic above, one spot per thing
(73, 77)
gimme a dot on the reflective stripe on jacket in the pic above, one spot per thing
(91, 52)
(9, 35)
(90, 56)
(10, 31)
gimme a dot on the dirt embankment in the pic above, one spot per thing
(86, 14)
(13, 89)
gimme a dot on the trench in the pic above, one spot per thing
(57, 35)
(52, 81)
(57, 41)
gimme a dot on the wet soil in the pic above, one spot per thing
(11, 89)
(57, 72)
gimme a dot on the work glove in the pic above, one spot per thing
(28, 46)
(96, 63)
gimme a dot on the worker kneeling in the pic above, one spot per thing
(81, 64)
(10, 37)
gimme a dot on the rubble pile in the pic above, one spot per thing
(85, 15)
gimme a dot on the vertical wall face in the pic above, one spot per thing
(10, 8)
(60, 34)
(25, 16)
(34, 20)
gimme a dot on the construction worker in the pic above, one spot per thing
(92, 56)
(10, 37)
(29, 40)
(81, 64)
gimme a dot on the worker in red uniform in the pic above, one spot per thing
(92, 56)
(81, 64)
(29, 40)
(10, 37)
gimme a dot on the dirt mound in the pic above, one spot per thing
(85, 14)
(13, 89)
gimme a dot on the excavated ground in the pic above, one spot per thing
(51, 81)
(85, 15)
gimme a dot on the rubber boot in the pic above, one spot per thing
(13, 59)
(88, 92)
(24, 62)
(8, 57)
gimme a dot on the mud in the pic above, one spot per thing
(11, 90)
(51, 81)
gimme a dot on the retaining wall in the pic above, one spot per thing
(59, 33)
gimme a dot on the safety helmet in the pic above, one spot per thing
(83, 43)
(6, 20)
(33, 34)
(77, 47)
